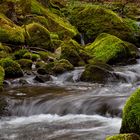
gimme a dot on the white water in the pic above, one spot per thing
(70, 125)
(67, 109)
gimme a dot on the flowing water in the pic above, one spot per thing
(65, 108)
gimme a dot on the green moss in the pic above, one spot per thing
(62, 66)
(5, 48)
(46, 56)
(130, 136)
(39, 36)
(35, 57)
(110, 49)
(70, 50)
(92, 20)
(55, 23)
(40, 64)
(20, 53)
(25, 63)
(2, 73)
(12, 68)
(59, 67)
(27, 55)
(131, 114)
(9, 32)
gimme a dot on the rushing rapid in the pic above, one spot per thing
(66, 108)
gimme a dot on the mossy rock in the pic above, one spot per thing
(39, 36)
(11, 67)
(25, 63)
(31, 56)
(92, 20)
(110, 49)
(2, 74)
(131, 114)
(5, 48)
(128, 136)
(9, 32)
(55, 23)
(97, 72)
(19, 54)
(58, 67)
(35, 57)
(62, 66)
(70, 50)
(40, 64)
(47, 56)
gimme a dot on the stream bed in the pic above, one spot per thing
(65, 108)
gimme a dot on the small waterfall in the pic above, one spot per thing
(82, 40)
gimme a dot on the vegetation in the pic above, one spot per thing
(131, 114)
(124, 137)
(110, 49)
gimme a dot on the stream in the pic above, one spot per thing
(65, 108)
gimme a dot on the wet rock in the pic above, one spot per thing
(97, 72)
(42, 78)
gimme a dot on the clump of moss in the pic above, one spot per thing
(39, 36)
(32, 56)
(62, 66)
(40, 64)
(10, 32)
(128, 136)
(35, 57)
(58, 67)
(2, 74)
(92, 20)
(20, 53)
(25, 63)
(97, 72)
(46, 56)
(55, 23)
(4, 51)
(131, 114)
(11, 67)
(110, 49)
(70, 50)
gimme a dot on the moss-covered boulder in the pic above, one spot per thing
(110, 49)
(31, 56)
(4, 51)
(25, 63)
(58, 67)
(10, 32)
(19, 54)
(131, 114)
(74, 53)
(130, 136)
(11, 67)
(47, 56)
(97, 72)
(56, 24)
(39, 36)
(2, 73)
(92, 20)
